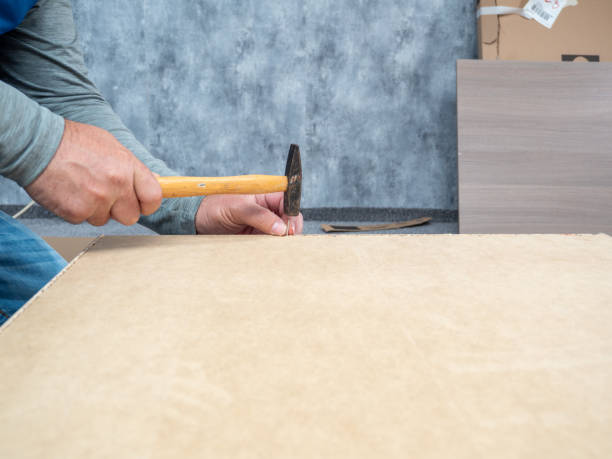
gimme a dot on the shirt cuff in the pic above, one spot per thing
(175, 216)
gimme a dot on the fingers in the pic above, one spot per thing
(141, 196)
(133, 198)
(100, 217)
(299, 227)
(147, 189)
(262, 219)
(126, 210)
(295, 224)
(246, 214)
(274, 202)
(93, 177)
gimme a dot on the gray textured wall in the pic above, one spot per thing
(219, 87)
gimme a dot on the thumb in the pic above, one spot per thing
(264, 220)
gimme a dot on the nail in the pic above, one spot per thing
(279, 228)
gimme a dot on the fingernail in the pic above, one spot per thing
(279, 229)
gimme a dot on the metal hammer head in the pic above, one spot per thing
(293, 171)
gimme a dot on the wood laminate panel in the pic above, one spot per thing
(462, 346)
(535, 147)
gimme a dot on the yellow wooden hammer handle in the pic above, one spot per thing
(177, 187)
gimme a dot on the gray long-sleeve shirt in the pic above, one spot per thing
(44, 80)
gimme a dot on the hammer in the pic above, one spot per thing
(290, 183)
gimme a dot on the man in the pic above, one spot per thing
(62, 142)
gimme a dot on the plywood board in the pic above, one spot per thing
(535, 147)
(350, 346)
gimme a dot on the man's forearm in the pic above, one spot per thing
(176, 216)
(56, 77)
(29, 136)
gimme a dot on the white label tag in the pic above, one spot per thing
(545, 12)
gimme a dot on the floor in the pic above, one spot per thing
(443, 222)
(58, 228)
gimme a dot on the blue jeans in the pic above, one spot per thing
(27, 263)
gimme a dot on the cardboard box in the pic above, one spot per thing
(582, 32)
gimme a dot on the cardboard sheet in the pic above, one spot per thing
(69, 247)
(349, 346)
